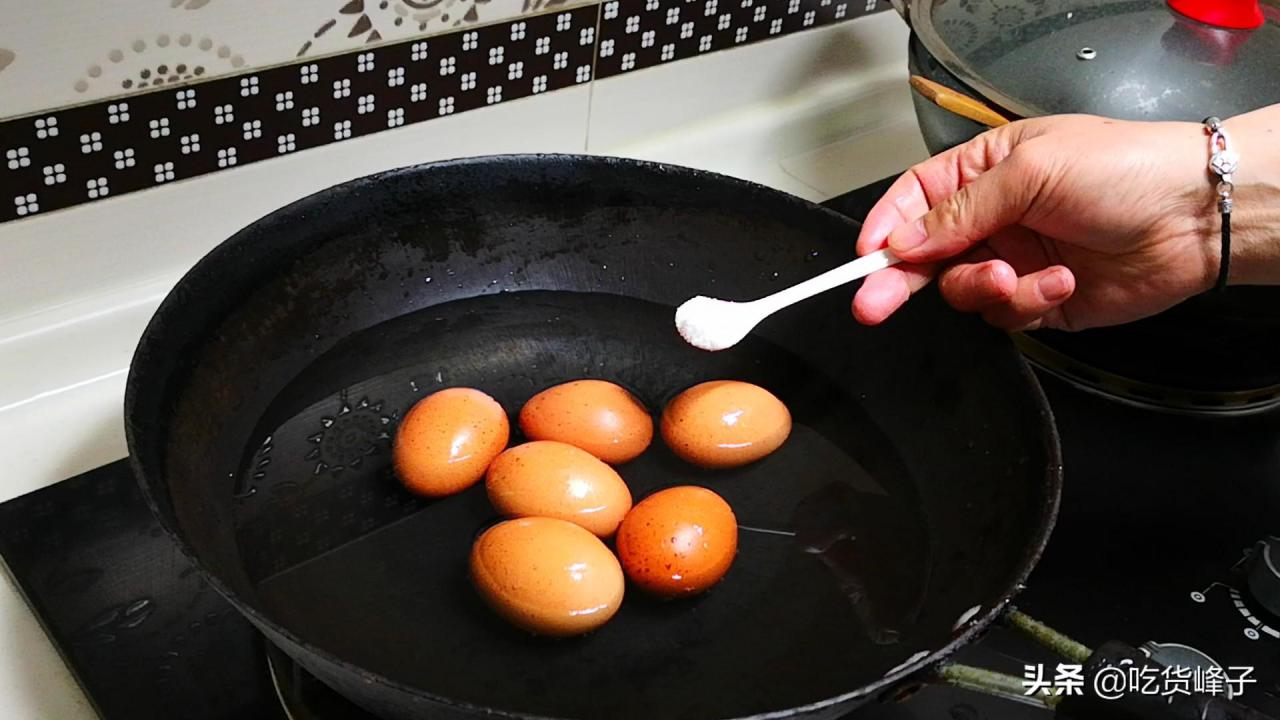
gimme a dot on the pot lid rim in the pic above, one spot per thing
(921, 20)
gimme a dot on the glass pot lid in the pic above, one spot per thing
(1133, 59)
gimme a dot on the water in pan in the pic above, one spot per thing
(827, 593)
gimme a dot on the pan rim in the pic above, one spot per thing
(170, 309)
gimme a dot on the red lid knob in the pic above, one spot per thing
(1239, 14)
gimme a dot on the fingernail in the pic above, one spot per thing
(910, 236)
(1053, 286)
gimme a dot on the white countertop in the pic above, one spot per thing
(63, 363)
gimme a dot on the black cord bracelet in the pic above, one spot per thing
(1223, 162)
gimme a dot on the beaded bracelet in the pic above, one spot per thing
(1223, 162)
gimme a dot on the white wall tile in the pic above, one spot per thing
(641, 105)
(60, 52)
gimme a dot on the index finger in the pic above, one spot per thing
(904, 201)
(932, 181)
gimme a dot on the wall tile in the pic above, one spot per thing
(635, 34)
(193, 118)
(674, 102)
(55, 267)
(59, 52)
(85, 153)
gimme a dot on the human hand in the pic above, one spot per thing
(1067, 222)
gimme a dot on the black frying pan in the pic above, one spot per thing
(911, 501)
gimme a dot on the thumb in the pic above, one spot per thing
(995, 199)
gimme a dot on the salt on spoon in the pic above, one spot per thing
(712, 324)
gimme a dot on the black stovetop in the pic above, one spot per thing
(1157, 512)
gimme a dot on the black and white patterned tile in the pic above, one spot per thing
(81, 154)
(54, 54)
(636, 34)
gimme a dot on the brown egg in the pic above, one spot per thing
(548, 576)
(447, 440)
(678, 541)
(554, 479)
(597, 416)
(725, 423)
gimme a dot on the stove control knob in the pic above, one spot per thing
(1179, 655)
(1264, 574)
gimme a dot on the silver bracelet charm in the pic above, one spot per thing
(1223, 161)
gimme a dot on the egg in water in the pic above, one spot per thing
(595, 415)
(547, 576)
(555, 479)
(679, 541)
(725, 424)
(446, 441)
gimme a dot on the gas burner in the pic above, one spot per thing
(1149, 395)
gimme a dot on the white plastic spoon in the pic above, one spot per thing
(712, 324)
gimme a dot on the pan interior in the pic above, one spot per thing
(828, 587)
(913, 492)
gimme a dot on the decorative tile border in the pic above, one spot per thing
(56, 54)
(636, 34)
(81, 154)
